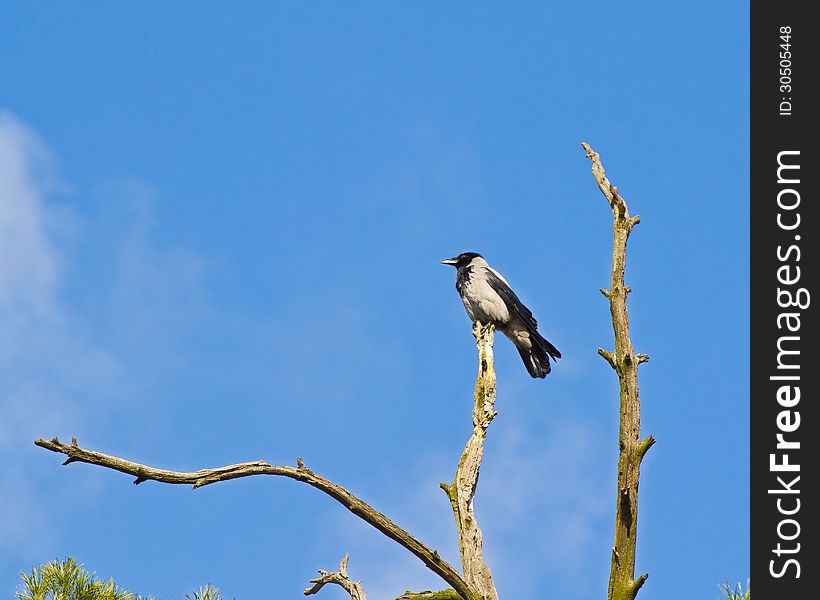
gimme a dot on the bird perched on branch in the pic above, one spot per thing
(488, 299)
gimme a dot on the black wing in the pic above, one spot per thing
(511, 300)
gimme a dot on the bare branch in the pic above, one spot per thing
(645, 446)
(462, 491)
(428, 595)
(340, 578)
(301, 473)
(622, 586)
(618, 205)
(638, 583)
(608, 357)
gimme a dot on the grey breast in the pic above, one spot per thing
(480, 300)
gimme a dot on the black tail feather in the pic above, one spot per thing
(537, 366)
(548, 347)
(537, 358)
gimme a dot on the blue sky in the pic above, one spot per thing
(221, 227)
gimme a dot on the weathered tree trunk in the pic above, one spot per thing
(462, 491)
(622, 582)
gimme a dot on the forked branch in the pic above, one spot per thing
(340, 578)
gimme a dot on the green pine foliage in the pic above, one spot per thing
(730, 593)
(206, 593)
(66, 580)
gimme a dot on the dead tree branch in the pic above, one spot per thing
(622, 582)
(477, 582)
(461, 491)
(428, 595)
(340, 578)
(301, 473)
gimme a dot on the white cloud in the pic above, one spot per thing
(42, 352)
(60, 370)
(28, 275)
(28, 266)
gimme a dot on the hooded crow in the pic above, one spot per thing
(488, 299)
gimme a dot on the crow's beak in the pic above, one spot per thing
(450, 261)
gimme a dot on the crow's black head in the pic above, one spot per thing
(462, 259)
